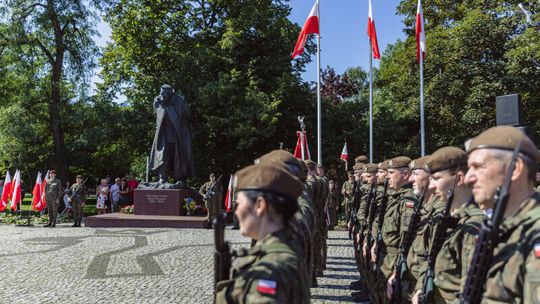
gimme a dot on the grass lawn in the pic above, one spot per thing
(89, 207)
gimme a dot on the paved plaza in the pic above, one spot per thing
(87, 265)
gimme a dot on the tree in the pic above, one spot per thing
(55, 36)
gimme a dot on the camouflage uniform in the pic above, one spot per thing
(454, 258)
(348, 196)
(53, 192)
(307, 220)
(514, 276)
(273, 271)
(324, 224)
(332, 205)
(315, 190)
(213, 200)
(78, 198)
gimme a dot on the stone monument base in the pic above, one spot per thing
(162, 201)
(145, 221)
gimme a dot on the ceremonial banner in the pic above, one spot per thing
(36, 195)
(229, 196)
(302, 150)
(344, 154)
(16, 192)
(6, 192)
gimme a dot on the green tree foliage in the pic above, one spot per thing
(230, 59)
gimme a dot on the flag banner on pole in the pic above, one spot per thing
(372, 34)
(420, 33)
(43, 203)
(310, 27)
(6, 192)
(16, 192)
(36, 194)
(229, 196)
(344, 154)
(302, 149)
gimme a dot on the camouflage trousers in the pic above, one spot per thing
(324, 236)
(52, 210)
(316, 259)
(77, 211)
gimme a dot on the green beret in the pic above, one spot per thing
(350, 173)
(506, 138)
(358, 167)
(419, 163)
(399, 162)
(282, 156)
(269, 177)
(79, 176)
(362, 159)
(371, 168)
(310, 164)
(383, 165)
(447, 158)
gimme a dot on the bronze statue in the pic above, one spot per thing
(171, 149)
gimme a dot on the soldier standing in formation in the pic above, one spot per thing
(348, 195)
(332, 203)
(212, 192)
(77, 194)
(53, 193)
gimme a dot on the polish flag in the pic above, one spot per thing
(229, 196)
(6, 192)
(302, 150)
(344, 154)
(36, 194)
(310, 27)
(372, 34)
(420, 33)
(16, 192)
(43, 203)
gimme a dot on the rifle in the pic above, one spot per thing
(487, 240)
(401, 263)
(210, 192)
(77, 190)
(439, 236)
(370, 217)
(381, 211)
(353, 219)
(363, 224)
(222, 253)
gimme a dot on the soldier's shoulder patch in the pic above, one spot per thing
(268, 287)
(409, 204)
(537, 250)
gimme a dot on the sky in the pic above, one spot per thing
(343, 25)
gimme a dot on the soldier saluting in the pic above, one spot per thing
(53, 193)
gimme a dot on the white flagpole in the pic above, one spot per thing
(422, 122)
(319, 128)
(370, 102)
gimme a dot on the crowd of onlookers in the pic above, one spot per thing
(111, 194)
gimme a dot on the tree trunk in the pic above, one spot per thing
(60, 156)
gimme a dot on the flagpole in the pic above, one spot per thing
(370, 102)
(422, 122)
(319, 131)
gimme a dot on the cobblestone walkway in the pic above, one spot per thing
(86, 265)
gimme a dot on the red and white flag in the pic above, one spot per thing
(229, 196)
(16, 192)
(420, 33)
(372, 34)
(6, 192)
(344, 154)
(43, 203)
(36, 194)
(310, 27)
(302, 150)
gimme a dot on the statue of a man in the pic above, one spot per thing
(171, 149)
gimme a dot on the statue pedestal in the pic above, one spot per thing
(162, 201)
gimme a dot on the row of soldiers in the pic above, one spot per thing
(416, 223)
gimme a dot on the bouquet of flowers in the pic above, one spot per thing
(189, 205)
(127, 210)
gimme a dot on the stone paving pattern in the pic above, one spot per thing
(133, 265)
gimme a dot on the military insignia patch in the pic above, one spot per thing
(409, 204)
(537, 250)
(267, 287)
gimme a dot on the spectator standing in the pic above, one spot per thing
(132, 183)
(102, 192)
(125, 193)
(115, 194)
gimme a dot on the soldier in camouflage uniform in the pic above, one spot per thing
(417, 259)
(332, 203)
(347, 190)
(274, 270)
(326, 221)
(77, 193)
(212, 199)
(397, 215)
(514, 275)
(448, 166)
(53, 193)
(316, 192)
